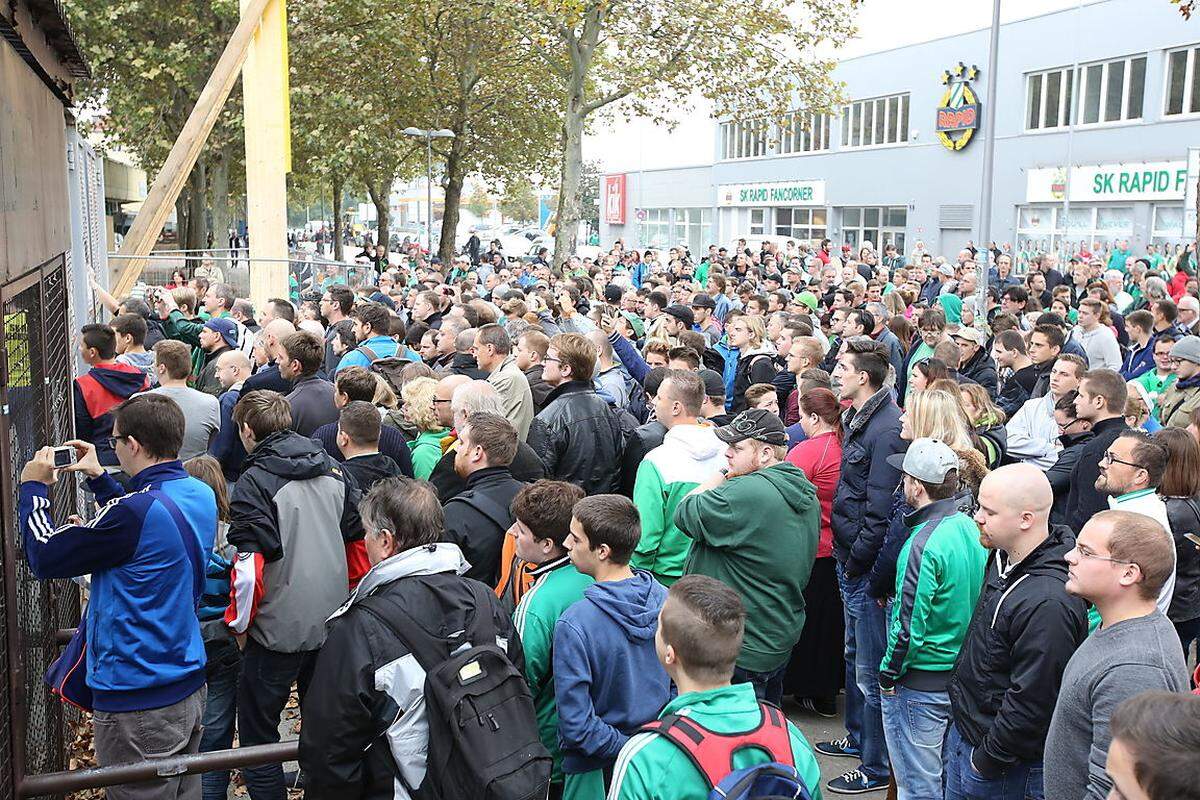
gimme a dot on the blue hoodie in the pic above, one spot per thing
(607, 679)
(144, 648)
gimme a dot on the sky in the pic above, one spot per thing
(633, 144)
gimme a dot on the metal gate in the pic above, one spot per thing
(35, 401)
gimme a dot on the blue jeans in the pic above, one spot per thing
(915, 723)
(224, 667)
(866, 640)
(767, 685)
(263, 690)
(1022, 781)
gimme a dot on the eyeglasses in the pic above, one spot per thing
(1109, 458)
(1065, 428)
(1086, 552)
(551, 358)
(112, 441)
(437, 400)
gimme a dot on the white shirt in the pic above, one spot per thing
(1148, 503)
(1100, 344)
(1033, 433)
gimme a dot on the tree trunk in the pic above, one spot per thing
(566, 221)
(219, 190)
(380, 198)
(182, 204)
(338, 253)
(197, 224)
(455, 176)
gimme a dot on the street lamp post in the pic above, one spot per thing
(428, 136)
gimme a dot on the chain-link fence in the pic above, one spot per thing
(36, 397)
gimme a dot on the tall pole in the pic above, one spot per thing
(989, 150)
(429, 195)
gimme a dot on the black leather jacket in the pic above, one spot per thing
(1184, 515)
(579, 438)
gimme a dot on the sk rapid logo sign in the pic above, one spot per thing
(958, 113)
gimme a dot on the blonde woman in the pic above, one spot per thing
(418, 395)
(940, 415)
(987, 421)
(756, 358)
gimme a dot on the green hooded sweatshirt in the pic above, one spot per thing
(557, 585)
(426, 452)
(758, 534)
(688, 456)
(939, 574)
(651, 767)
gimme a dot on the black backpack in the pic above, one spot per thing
(387, 367)
(483, 733)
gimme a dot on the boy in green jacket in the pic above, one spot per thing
(690, 453)
(698, 641)
(755, 528)
(939, 574)
(543, 520)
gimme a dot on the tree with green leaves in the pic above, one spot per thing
(150, 60)
(750, 57)
(519, 201)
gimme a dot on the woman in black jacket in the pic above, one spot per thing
(1180, 490)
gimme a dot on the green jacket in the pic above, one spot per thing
(758, 534)
(557, 585)
(689, 455)
(177, 326)
(426, 452)
(939, 574)
(651, 767)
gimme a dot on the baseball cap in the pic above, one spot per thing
(1187, 348)
(703, 301)
(714, 384)
(635, 322)
(754, 423)
(926, 460)
(224, 326)
(946, 269)
(973, 335)
(681, 313)
(809, 299)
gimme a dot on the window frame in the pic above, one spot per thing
(1189, 73)
(855, 128)
(1074, 83)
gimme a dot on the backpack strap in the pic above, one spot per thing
(712, 753)
(369, 353)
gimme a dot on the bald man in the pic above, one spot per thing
(1024, 630)
(268, 376)
(233, 369)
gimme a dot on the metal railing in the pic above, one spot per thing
(57, 783)
(235, 268)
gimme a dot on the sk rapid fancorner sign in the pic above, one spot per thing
(958, 113)
(614, 199)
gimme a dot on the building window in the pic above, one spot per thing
(797, 132)
(662, 228)
(879, 226)
(1183, 82)
(758, 221)
(1111, 91)
(1168, 225)
(875, 122)
(801, 224)
(1048, 229)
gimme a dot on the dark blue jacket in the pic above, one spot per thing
(391, 444)
(144, 647)
(227, 446)
(607, 679)
(1138, 360)
(862, 503)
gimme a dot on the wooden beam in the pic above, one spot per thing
(175, 170)
(266, 119)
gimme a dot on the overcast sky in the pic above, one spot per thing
(627, 145)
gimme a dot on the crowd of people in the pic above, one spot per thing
(516, 529)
